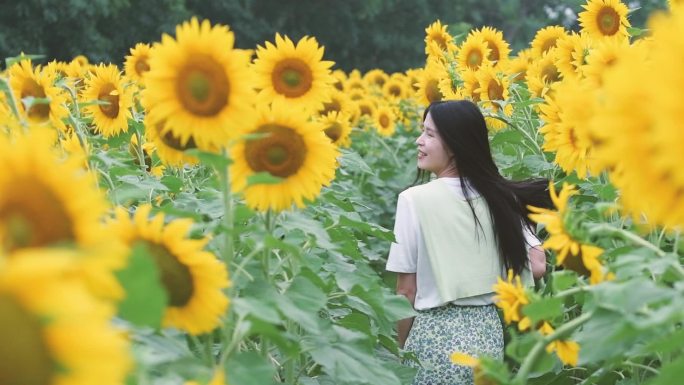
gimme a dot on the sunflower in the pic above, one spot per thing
(292, 149)
(542, 74)
(193, 279)
(82, 60)
(340, 79)
(294, 75)
(498, 47)
(336, 126)
(545, 39)
(106, 86)
(438, 40)
(395, 88)
(516, 68)
(137, 63)
(638, 128)
(53, 331)
(471, 84)
(355, 81)
(567, 351)
(59, 68)
(451, 86)
(338, 102)
(169, 148)
(198, 85)
(568, 113)
(45, 202)
(76, 151)
(474, 52)
(385, 120)
(367, 109)
(428, 85)
(28, 83)
(606, 54)
(493, 88)
(375, 78)
(510, 297)
(571, 54)
(572, 254)
(605, 18)
(413, 78)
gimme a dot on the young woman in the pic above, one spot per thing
(454, 236)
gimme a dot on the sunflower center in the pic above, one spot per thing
(608, 21)
(365, 110)
(395, 90)
(109, 94)
(32, 216)
(339, 85)
(39, 111)
(550, 74)
(281, 153)
(202, 86)
(548, 44)
(493, 51)
(333, 105)
(334, 131)
(495, 91)
(292, 78)
(384, 121)
(441, 42)
(474, 58)
(174, 142)
(24, 357)
(432, 91)
(141, 66)
(175, 276)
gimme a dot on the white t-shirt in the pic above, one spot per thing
(409, 253)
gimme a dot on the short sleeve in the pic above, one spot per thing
(531, 239)
(403, 253)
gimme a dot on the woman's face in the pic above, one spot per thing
(433, 155)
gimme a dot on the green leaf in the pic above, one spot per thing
(305, 295)
(145, 299)
(670, 373)
(562, 280)
(256, 307)
(212, 159)
(367, 228)
(636, 32)
(262, 178)
(507, 136)
(174, 184)
(353, 162)
(249, 368)
(543, 309)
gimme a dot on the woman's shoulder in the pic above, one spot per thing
(417, 189)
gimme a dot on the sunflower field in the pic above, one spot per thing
(214, 215)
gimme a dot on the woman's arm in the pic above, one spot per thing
(406, 286)
(537, 261)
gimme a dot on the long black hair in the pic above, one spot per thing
(463, 130)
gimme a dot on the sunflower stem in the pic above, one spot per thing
(538, 348)
(607, 229)
(139, 152)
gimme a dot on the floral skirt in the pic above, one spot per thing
(438, 332)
